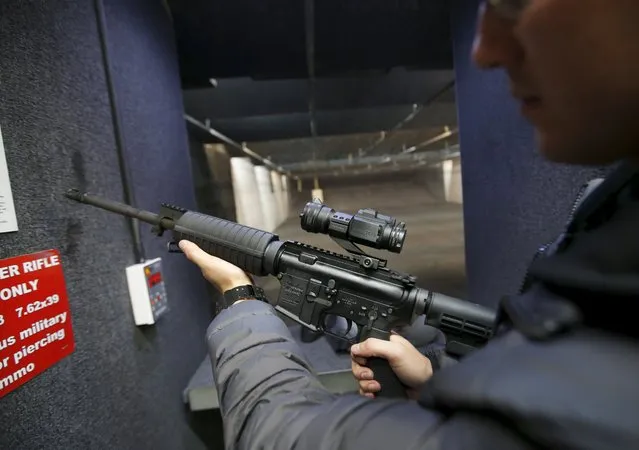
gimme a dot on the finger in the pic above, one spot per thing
(359, 361)
(204, 260)
(221, 273)
(195, 254)
(371, 386)
(366, 394)
(354, 368)
(365, 386)
(400, 340)
(376, 348)
(357, 370)
(362, 373)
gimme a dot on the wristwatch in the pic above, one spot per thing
(246, 292)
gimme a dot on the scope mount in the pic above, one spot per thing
(365, 260)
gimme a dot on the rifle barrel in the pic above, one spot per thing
(116, 207)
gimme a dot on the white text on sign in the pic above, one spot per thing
(15, 270)
(29, 266)
(18, 290)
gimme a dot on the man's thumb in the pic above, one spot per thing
(375, 348)
(192, 252)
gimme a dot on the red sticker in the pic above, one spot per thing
(35, 320)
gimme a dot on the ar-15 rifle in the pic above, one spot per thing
(317, 284)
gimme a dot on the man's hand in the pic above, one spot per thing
(221, 274)
(411, 367)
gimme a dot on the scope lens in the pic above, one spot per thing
(397, 237)
(316, 217)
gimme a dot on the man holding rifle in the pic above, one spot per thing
(561, 372)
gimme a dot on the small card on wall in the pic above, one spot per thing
(8, 220)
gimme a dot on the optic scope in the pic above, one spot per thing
(368, 227)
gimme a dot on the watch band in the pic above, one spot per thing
(245, 292)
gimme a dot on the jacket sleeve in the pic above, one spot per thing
(270, 398)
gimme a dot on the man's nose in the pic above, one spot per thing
(495, 44)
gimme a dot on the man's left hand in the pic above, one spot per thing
(221, 274)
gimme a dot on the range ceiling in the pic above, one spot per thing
(373, 61)
(266, 39)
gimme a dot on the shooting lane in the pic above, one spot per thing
(121, 385)
(248, 206)
(210, 164)
(270, 208)
(278, 190)
(287, 195)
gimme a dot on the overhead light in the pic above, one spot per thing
(213, 82)
(447, 133)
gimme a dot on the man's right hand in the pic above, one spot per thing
(411, 367)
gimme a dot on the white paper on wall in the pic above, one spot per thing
(8, 220)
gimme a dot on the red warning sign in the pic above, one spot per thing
(35, 321)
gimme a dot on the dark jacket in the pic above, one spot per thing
(562, 373)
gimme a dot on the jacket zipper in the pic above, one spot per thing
(527, 281)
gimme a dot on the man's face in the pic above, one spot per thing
(574, 66)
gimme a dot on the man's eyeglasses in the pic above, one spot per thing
(510, 9)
